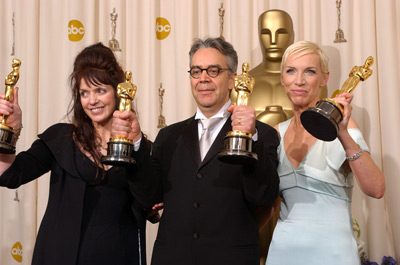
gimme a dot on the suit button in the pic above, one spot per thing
(196, 235)
(196, 205)
(200, 176)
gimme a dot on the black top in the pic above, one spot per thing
(109, 233)
(85, 222)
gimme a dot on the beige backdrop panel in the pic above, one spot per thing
(18, 213)
(47, 55)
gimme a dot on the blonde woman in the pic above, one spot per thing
(317, 177)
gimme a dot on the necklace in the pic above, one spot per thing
(101, 147)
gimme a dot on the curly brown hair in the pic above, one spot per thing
(95, 65)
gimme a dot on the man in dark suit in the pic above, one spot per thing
(209, 206)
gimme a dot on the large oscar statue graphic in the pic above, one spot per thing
(322, 121)
(275, 29)
(119, 149)
(9, 137)
(238, 144)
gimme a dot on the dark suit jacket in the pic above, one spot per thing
(209, 207)
(59, 234)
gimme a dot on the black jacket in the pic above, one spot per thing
(59, 234)
(209, 207)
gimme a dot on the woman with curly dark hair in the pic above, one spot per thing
(93, 215)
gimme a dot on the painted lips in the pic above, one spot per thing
(96, 110)
(299, 91)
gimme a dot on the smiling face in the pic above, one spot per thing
(302, 79)
(211, 93)
(98, 102)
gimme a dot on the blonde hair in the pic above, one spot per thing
(303, 48)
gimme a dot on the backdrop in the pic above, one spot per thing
(155, 37)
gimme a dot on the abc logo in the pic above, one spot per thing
(16, 252)
(163, 28)
(76, 31)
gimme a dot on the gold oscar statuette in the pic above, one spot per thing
(322, 121)
(161, 118)
(238, 144)
(339, 32)
(113, 44)
(8, 138)
(221, 12)
(119, 149)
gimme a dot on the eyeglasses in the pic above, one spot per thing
(212, 71)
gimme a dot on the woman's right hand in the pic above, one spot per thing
(12, 110)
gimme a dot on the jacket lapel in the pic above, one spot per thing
(191, 139)
(218, 144)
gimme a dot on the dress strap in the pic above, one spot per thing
(283, 126)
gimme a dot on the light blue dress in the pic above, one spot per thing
(315, 225)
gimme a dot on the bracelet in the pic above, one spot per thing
(16, 135)
(18, 131)
(356, 155)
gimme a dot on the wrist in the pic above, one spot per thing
(18, 129)
(356, 155)
(17, 133)
(344, 136)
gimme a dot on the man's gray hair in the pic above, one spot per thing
(219, 44)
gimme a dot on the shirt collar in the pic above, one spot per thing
(222, 113)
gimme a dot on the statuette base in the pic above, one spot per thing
(114, 45)
(322, 122)
(119, 153)
(238, 146)
(339, 36)
(6, 140)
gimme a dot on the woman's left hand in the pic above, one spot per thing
(126, 125)
(153, 215)
(345, 99)
(369, 177)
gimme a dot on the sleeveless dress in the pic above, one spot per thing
(315, 224)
